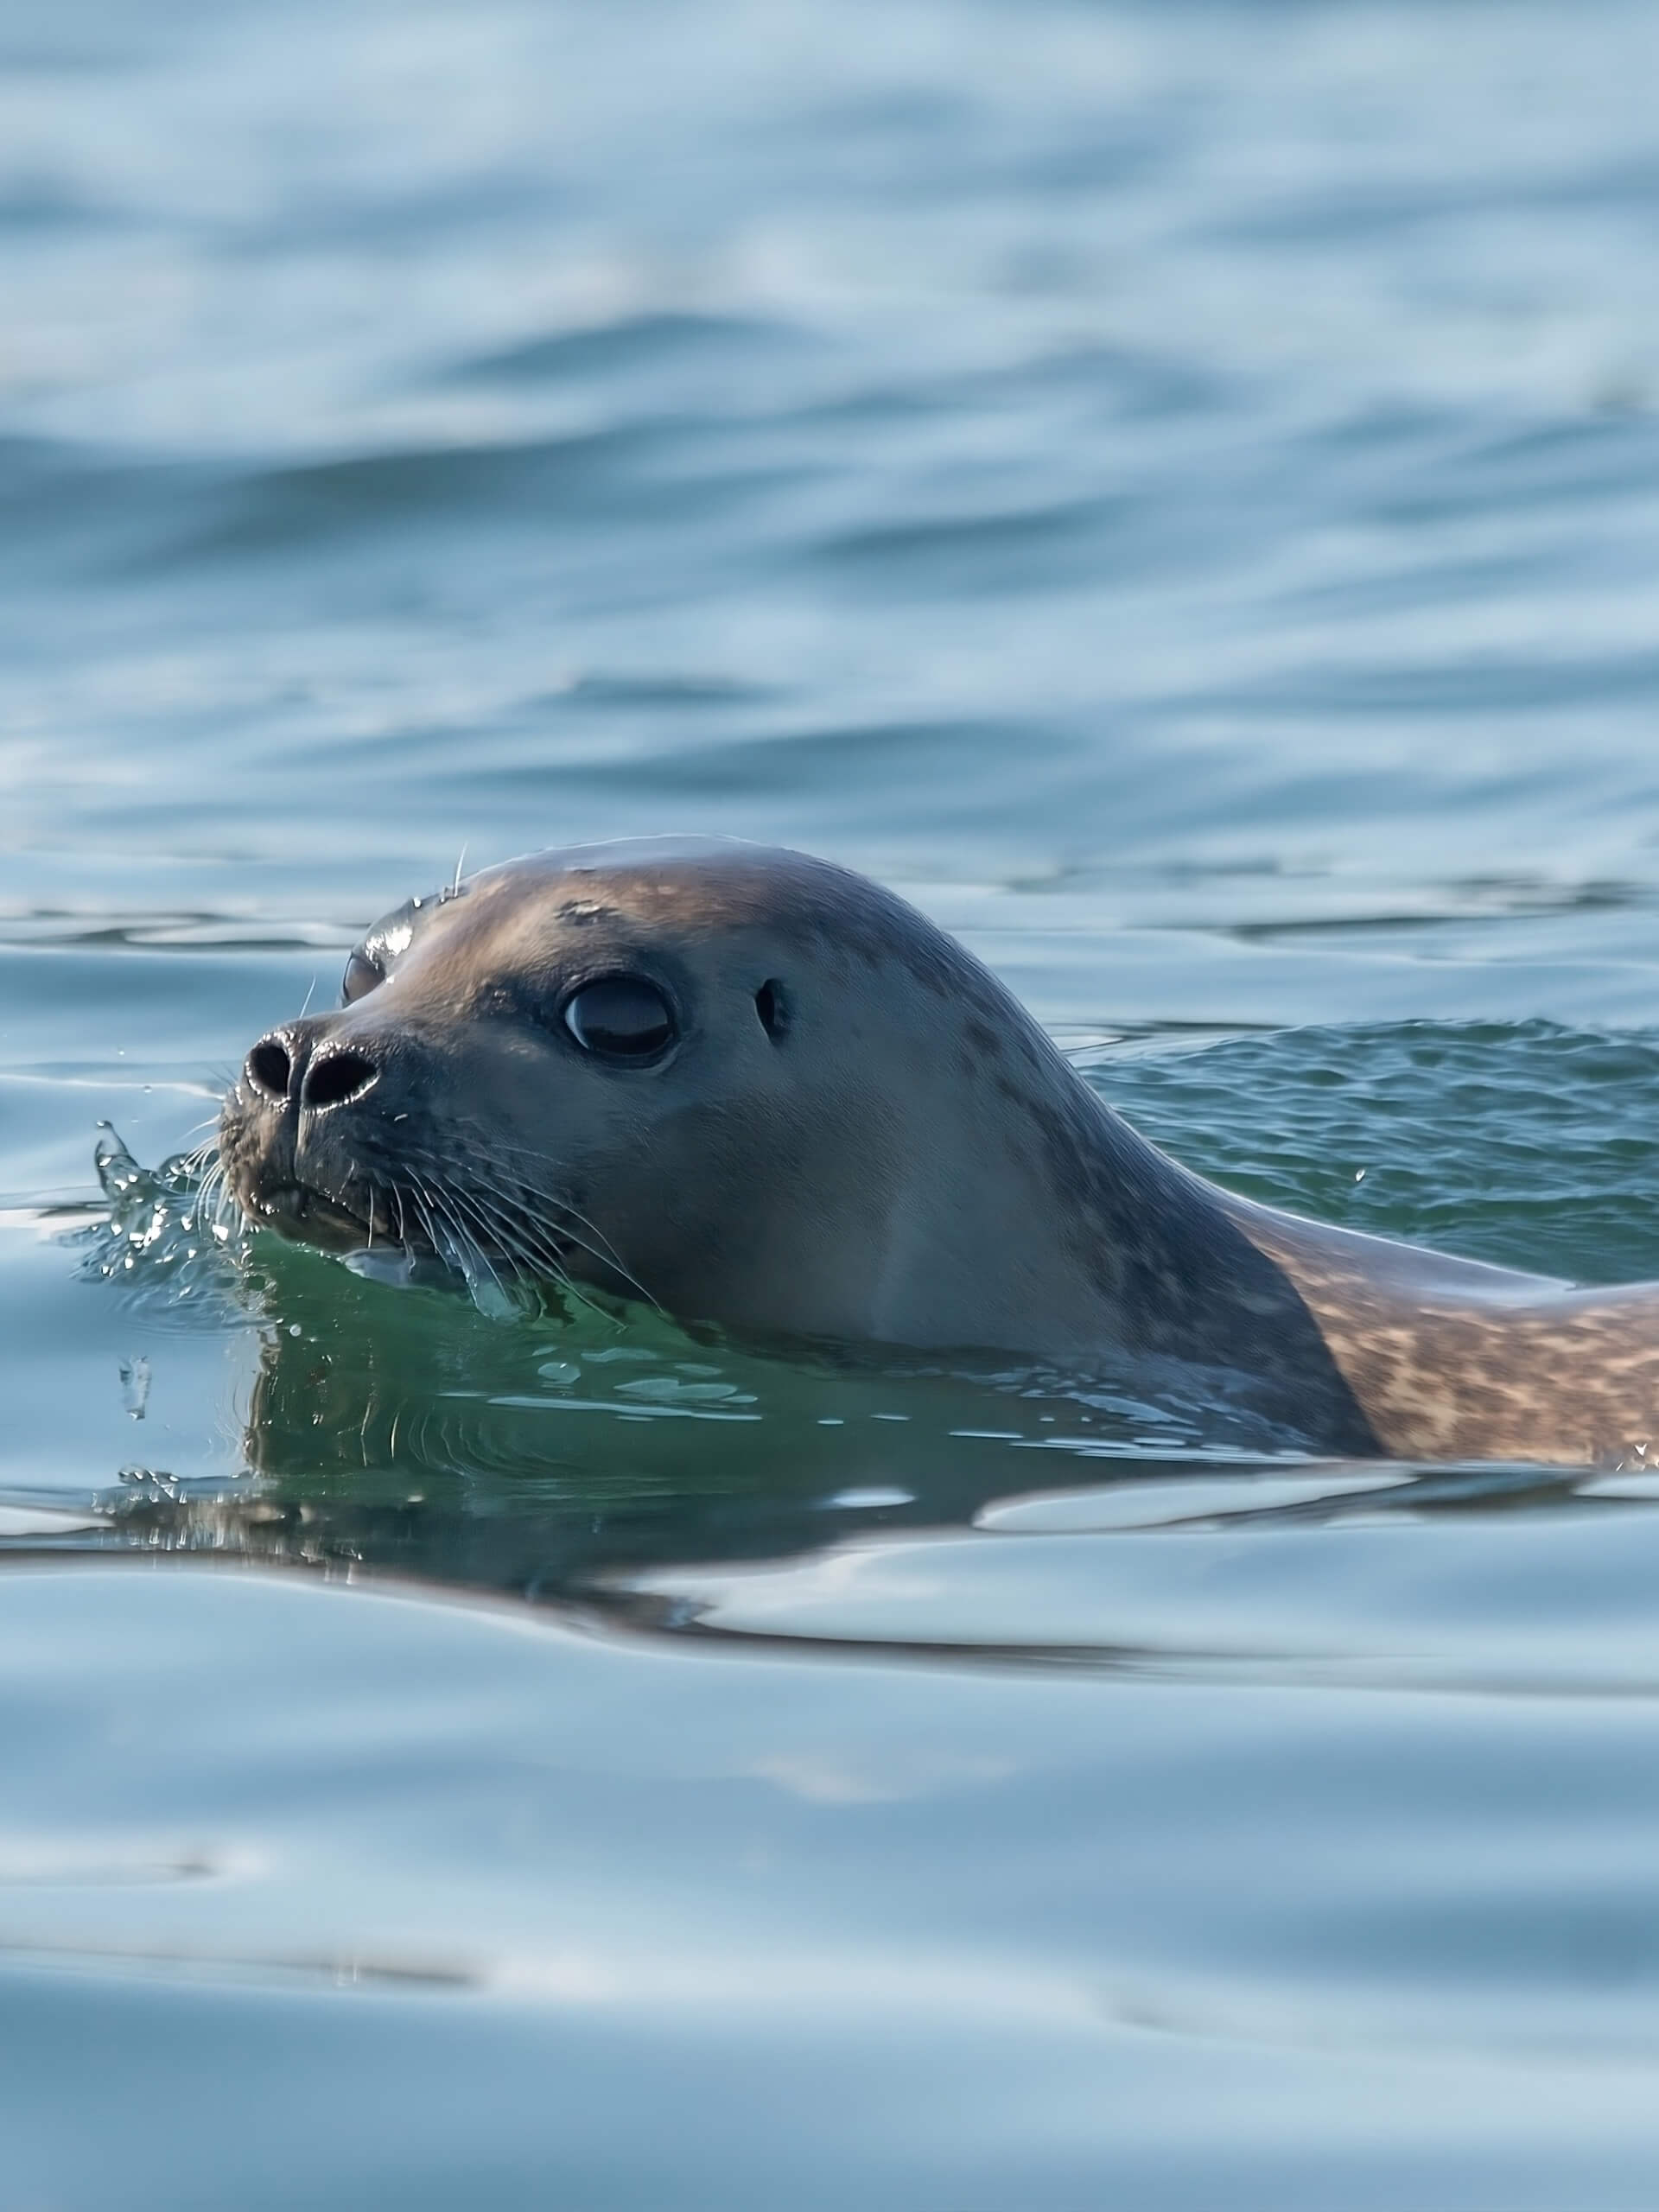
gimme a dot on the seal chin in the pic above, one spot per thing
(306, 1216)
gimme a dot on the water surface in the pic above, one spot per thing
(1174, 491)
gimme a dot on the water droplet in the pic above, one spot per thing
(135, 1385)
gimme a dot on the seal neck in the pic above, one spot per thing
(1082, 1240)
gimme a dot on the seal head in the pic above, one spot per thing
(764, 1092)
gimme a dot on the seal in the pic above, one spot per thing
(764, 1092)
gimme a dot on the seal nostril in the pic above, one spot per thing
(336, 1078)
(270, 1068)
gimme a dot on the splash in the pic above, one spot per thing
(164, 1229)
(171, 1235)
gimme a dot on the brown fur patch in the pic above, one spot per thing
(1497, 1371)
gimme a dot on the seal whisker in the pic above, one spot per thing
(493, 1149)
(508, 1220)
(505, 1234)
(545, 1242)
(229, 1212)
(508, 1187)
(474, 1259)
(454, 1232)
(453, 1243)
(512, 1246)
(546, 1259)
(217, 1204)
(424, 1220)
(503, 1192)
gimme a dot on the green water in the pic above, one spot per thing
(1176, 492)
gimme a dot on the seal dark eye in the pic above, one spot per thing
(362, 973)
(621, 1018)
(386, 943)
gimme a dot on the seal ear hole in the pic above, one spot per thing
(770, 1004)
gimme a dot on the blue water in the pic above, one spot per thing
(1173, 490)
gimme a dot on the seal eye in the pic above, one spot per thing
(621, 1018)
(362, 973)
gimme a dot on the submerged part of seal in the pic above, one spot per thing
(762, 1091)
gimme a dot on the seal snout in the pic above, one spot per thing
(294, 1164)
(291, 1161)
(287, 1068)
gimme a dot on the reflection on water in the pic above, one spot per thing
(590, 1449)
(398, 1426)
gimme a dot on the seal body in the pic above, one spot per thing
(764, 1092)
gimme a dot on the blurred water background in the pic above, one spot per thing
(1172, 488)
